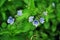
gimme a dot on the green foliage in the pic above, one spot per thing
(4, 25)
(22, 29)
(2, 2)
(46, 25)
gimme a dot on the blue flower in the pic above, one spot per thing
(42, 20)
(36, 23)
(19, 12)
(10, 20)
(31, 18)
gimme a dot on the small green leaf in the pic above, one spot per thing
(4, 16)
(53, 28)
(4, 25)
(30, 34)
(27, 27)
(44, 35)
(26, 1)
(46, 25)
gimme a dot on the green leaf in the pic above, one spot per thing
(11, 27)
(18, 3)
(44, 35)
(30, 34)
(58, 12)
(27, 27)
(49, 9)
(26, 1)
(47, 18)
(4, 25)
(4, 16)
(53, 28)
(46, 25)
(2, 2)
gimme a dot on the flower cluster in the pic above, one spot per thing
(31, 19)
(36, 22)
(10, 20)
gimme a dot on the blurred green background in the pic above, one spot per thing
(21, 29)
